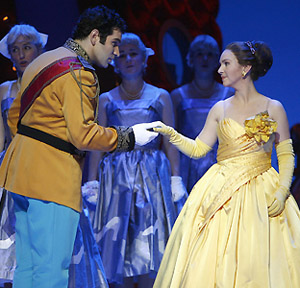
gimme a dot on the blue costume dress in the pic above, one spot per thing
(192, 114)
(134, 213)
(7, 216)
(86, 268)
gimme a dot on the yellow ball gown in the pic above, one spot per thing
(223, 236)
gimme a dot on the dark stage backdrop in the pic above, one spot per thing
(167, 26)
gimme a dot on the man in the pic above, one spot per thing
(52, 121)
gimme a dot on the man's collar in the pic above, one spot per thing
(75, 47)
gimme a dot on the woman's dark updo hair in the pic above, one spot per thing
(254, 53)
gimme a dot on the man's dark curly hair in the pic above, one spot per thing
(103, 19)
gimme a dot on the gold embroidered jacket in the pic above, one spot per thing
(37, 170)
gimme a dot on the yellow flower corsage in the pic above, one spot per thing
(261, 127)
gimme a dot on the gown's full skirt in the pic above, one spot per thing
(224, 237)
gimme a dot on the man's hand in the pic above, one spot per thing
(142, 134)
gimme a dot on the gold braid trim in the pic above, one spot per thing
(75, 47)
(81, 85)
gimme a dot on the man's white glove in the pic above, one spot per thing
(178, 189)
(90, 191)
(142, 135)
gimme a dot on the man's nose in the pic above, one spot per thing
(116, 51)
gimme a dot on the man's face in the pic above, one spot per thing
(104, 54)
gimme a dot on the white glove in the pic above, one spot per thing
(142, 135)
(90, 191)
(178, 189)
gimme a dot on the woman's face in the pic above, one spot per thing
(131, 61)
(22, 53)
(204, 60)
(230, 70)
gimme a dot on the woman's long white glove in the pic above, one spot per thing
(142, 134)
(90, 191)
(178, 189)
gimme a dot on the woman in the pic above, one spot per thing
(134, 213)
(193, 101)
(21, 45)
(240, 227)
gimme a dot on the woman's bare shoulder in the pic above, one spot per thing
(275, 106)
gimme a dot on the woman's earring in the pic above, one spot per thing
(244, 73)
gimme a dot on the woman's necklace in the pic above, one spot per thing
(133, 96)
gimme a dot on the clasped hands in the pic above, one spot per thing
(146, 132)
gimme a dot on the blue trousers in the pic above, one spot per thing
(45, 235)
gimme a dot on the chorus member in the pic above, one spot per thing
(21, 45)
(135, 211)
(193, 101)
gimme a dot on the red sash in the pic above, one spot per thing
(44, 78)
